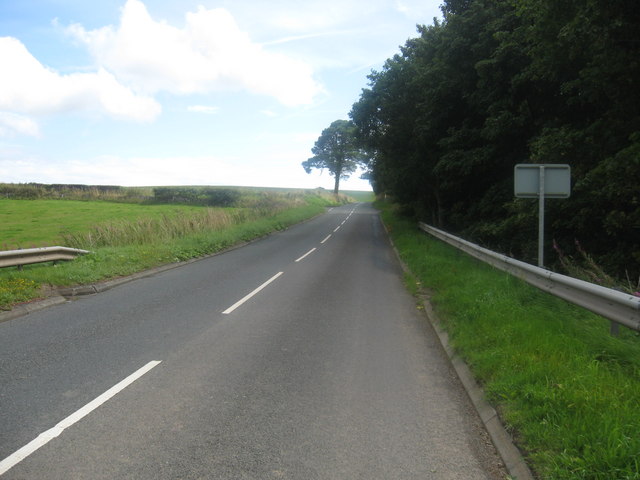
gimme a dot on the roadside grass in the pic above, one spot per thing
(122, 247)
(13, 290)
(567, 390)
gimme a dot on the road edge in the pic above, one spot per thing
(511, 456)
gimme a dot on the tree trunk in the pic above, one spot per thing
(337, 185)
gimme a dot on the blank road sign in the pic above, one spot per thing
(557, 180)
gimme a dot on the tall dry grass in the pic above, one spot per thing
(150, 230)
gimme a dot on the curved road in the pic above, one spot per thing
(300, 356)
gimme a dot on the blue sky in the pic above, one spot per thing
(166, 92)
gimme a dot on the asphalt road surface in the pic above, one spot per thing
(299, 356)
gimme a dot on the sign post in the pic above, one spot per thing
(532, 180)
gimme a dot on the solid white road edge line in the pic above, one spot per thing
(306, 254)
(247, 297)
(45, 437)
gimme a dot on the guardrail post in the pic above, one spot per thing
(614, 329)
(541, 194)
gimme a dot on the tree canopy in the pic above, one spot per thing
(336, 150)
(501, 82)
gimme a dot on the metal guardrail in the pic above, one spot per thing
(617, 306)
(12, 258)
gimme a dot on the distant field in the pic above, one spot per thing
(38, 223)
(357, 195)
(360, 196)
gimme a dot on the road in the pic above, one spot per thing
(299, 356)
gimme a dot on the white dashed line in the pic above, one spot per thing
(306, 254)
(247, 297)
(45, 437)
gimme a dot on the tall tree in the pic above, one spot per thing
(336, 150)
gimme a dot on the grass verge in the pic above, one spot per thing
(564, 387)
(142, 251)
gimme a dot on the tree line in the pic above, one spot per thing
(501, 82)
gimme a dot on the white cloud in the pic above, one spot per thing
(208, 109)
(12, 124)
(28, 87)
(209, 53)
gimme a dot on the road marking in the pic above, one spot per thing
(247, 297)
(328, 237)
(45, 437)
(306, 254)
(337, 228)
(343, 222)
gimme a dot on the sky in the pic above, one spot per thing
(203, 92)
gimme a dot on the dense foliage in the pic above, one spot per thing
(502, 82)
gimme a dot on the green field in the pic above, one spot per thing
(40, 223)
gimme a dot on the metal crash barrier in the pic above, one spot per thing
(27, 256)
(619, 307)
